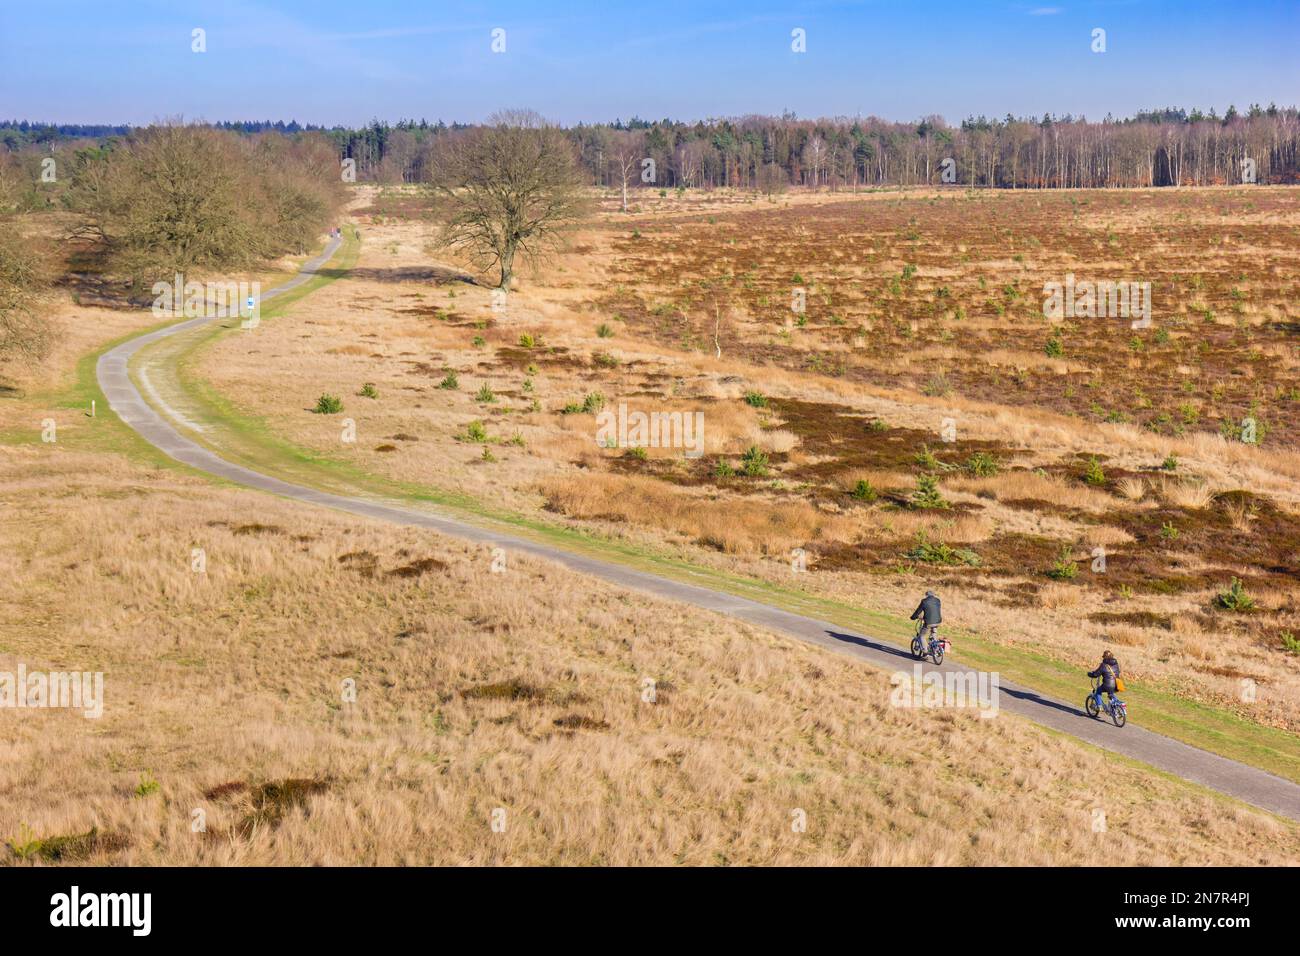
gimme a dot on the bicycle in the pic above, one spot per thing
(937, 647)
(1117, 709)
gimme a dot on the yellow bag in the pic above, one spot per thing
(1119, 685)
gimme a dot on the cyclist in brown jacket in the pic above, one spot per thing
(1108, 671)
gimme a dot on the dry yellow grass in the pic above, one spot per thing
(721, 522)
(219, 684)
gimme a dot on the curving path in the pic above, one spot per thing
(1235, 779)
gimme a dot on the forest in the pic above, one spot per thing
(1162, 147)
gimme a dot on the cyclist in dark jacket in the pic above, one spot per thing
(929, 613)
(1108, 671)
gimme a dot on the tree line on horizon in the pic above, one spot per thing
(1158, 148)
(1153, 148)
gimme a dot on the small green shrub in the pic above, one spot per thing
(982, 464)
(485, 394)
(863, 491)
(450, 382)
(26, 845)
(328, 405)
(1064, 568)
(1093, 473)
(1235, 598)
(368, 390)
(754, 462)
(927, 494)
(928, 460)
(936, 386)
(147, 786)
(936, 552)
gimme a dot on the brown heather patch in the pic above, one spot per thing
(513, 689)
(223, 790)
(258, 529)
(71, 848)
(271, 802)
(847, 254)
(418, 568)
(580, 722)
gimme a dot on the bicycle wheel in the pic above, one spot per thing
(918, 650)
(1118, 715)
(937, 655)
(1090, 705)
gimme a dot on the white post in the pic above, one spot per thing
(92, 408)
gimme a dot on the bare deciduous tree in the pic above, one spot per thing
(8, 186)
(814, 158)
(24, 333)
(626, 153)
(717, 297)
(177, 197)
(772, 179)
(507, 189)
(690, 162)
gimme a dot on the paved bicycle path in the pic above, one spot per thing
(1230, 777)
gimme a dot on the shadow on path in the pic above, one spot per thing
(864, 642)
(1033, 698)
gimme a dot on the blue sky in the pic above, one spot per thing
(330, 61)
